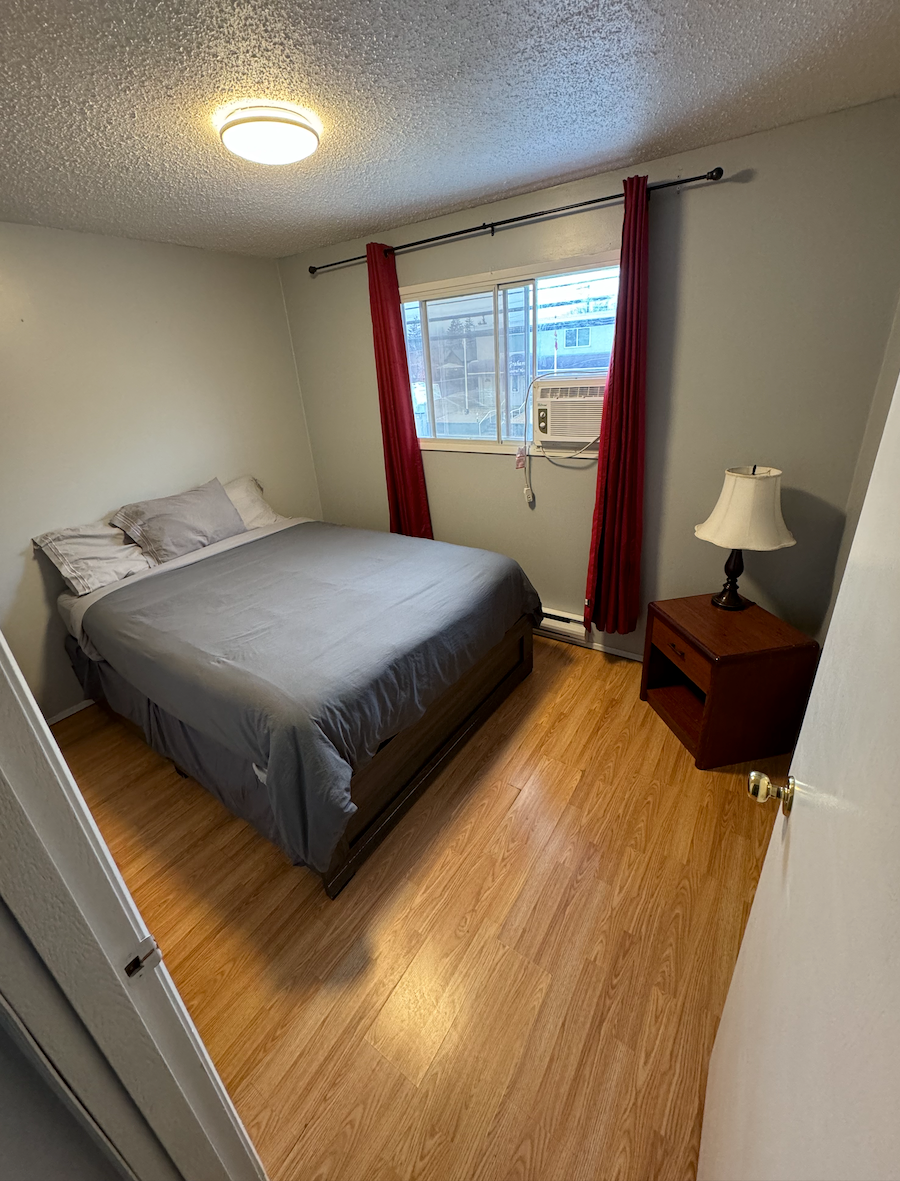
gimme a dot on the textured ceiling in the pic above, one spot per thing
(426, 106)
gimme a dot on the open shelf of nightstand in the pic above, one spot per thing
(681, 708)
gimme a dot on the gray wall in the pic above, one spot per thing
(43, 1010)
(772, 297)
(40, 1137)
(130, 369)
(881, 404)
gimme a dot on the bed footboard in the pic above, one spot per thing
(406, 765)
(382, 791)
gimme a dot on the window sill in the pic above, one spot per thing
(472, 446)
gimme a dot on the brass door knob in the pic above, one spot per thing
(761, 787)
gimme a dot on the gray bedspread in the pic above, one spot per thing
(304, 650)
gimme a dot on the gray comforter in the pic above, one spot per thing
(305, 649)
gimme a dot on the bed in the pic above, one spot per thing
(314, 678)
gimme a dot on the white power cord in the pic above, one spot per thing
(574, 455)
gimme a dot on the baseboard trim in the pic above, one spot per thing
(599, 646)
(67, 713)
(578, 638)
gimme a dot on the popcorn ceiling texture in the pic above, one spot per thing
(426, 107)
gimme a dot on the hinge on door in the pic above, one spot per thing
(148, 956)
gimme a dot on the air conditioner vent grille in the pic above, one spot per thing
(571, 391)
(571, 420)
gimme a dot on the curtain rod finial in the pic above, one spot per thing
(312, 270)
(716, 174)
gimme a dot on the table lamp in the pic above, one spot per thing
(747, 516)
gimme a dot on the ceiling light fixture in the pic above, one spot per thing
(269, 135)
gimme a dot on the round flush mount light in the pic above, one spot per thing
(269, 135)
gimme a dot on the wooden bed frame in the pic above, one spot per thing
(406, 764)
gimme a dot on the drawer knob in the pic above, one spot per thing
(761, 788)
(679, 652)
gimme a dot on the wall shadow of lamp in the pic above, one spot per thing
(747, 516)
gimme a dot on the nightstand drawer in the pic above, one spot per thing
(681, 654)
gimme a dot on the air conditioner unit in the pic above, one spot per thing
(567, 410)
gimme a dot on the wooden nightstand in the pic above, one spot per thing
(732, 685)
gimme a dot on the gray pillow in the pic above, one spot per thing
(174, 525)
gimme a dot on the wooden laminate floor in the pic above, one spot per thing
(524, 981)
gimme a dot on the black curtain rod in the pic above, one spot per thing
(713, 174)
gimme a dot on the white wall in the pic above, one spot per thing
(130, 369)
(772, 296)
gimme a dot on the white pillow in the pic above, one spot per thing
(91, 556)
(245, 493)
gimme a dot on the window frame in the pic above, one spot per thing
(486, 282)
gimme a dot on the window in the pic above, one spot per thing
(472, 357)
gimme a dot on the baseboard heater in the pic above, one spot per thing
(561, 625)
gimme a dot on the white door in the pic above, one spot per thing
(804, 1080)
(61, 884)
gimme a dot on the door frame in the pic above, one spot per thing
(60, 882)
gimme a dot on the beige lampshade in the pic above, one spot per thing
(748, 512)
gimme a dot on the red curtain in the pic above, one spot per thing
(407, 495)
(612, 596)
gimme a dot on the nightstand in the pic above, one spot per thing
(732, 685)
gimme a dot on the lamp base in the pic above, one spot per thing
(728, 598)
